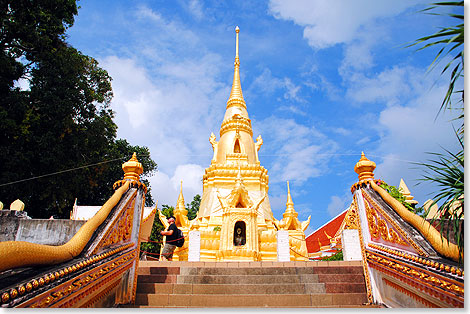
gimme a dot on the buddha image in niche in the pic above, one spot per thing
(239, 239)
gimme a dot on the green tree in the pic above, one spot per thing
(62, 121)
(447, 171)
(193, 207)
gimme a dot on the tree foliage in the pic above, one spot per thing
(193, 207)
(58, 135)
(451, 42)
(338, 256)
(396, 194)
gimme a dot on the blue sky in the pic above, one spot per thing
(323, 81)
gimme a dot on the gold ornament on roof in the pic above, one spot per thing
(236, 92)
(365, 168)
(132, 169)
(406, 193)
(180, 212)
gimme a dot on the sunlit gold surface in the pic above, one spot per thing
(19, 253)
(442, 246)
(364, 168)
(235, 188)
(132, 169)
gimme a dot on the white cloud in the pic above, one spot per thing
(338, 204)
(407, 133)
(166, 189)
(292, 109)
(133, 90)
(191, 175)
(341, 131)
(196, 9)
(269, 84)
(299, 151)
(292, 90)
(168, 99)
(327, 23)
(363, 140)
(391, 87)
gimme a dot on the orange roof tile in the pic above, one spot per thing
(320, 235)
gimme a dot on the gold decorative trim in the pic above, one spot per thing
(61, 296)
(240, 123)
(20, 254)
(100, 295)
(365, 266)
(442, 246)
(379, 228)
(410, 294)
(49, 278)
(351, 219)
(120, 228)
(447, 286)
(393, 223)
(133, 184)
(137, 250)
(425, 262)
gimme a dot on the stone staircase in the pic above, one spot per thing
(250, 284)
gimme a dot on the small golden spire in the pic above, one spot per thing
(180, 212)
(365, 168)
(406, 193)
(180, 202)
(290, 203)
(236, 92)
(132, 169)
(290, 211)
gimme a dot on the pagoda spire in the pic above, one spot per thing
(290, 204)
(180, 201)
(236, 95)
(180, 212)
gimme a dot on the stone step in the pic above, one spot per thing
(245, 289)
(146, 270)
(153, 270)
(258, 300)
(246, 279)
(343, 278)
(246, 271)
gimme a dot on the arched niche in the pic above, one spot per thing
(236, 147)
(239, 233)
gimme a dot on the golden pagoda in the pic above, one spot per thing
(235, 220)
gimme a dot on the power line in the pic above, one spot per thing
(59, 172)
(121, 158)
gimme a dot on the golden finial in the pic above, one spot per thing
(290, 203)
(365, 168)
(237, 30)
(290, 211)
(132, 169)
(180, 202)
(236, 92)
(17, 205)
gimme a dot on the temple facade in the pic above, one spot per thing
(235, 220)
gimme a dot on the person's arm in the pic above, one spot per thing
(167, 233)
